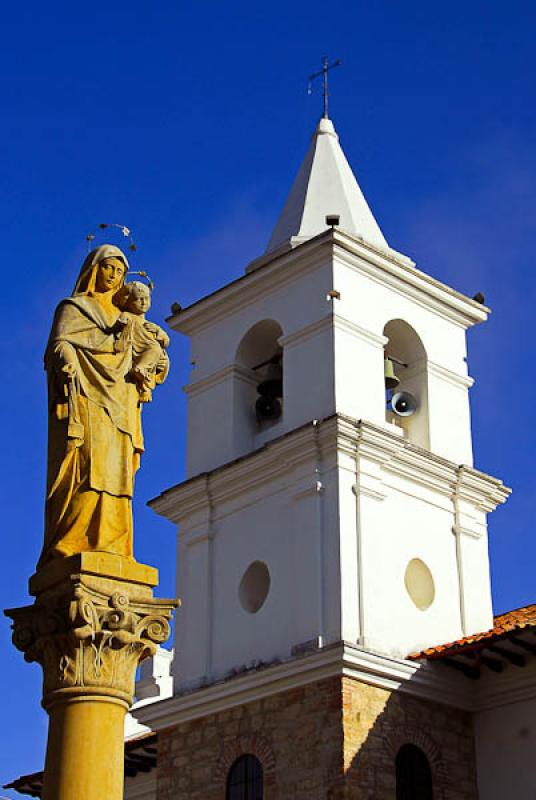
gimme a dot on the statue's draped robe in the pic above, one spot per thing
(95, 437)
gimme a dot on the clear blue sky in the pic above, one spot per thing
(187, 122)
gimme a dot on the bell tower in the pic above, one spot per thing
(318, 508)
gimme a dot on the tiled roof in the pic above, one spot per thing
(518, 620)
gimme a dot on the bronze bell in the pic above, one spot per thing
(272, 383)
(391, 381)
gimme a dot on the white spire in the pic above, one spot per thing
(325, 184)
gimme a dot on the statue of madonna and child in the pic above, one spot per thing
(103, 360)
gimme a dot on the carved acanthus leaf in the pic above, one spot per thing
(88, 638)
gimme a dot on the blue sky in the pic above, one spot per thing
(187, 122)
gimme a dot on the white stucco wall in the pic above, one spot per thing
(505, 748)
(282, 520)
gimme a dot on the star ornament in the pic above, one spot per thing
(127, 233)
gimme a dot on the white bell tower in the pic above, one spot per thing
(317, 515)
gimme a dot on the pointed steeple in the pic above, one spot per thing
(325, 184)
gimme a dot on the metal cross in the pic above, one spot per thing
(326, 66)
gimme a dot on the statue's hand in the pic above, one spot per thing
(69, 370)
(141, 376)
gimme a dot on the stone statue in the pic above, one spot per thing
(150, 362)
(102, 364)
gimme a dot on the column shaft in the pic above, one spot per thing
(85, 750)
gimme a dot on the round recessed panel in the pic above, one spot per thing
(254, 587)
(419, 584)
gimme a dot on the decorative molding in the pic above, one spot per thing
(479, 489)
(342, 659)
(407, 280)
(280, 268)
(343, 324)
(428, 681)
(325, 323)
(505, 697)
(255, 470)
(387, 252)
(460, 381)
(222, 375)
(461, 530)
(311, 491)
(338, 434)
(281, 271)
(514, 685)
(367, 491)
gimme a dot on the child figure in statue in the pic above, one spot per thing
(150, 362)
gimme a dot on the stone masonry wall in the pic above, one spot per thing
(297, 736)
(378, 722)
(336, 739)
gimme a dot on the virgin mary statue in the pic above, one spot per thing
(95, 437)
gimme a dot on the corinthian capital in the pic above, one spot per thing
(90, 630)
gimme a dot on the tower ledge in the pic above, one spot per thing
(274, 270)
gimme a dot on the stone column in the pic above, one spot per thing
(94, 620)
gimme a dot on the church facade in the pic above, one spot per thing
(336, 637)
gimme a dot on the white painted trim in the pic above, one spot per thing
(460, 381)
(341, 659)
(366, 491)
(317, 487)
(343, 324)
(231, 371)
(459, 529)
(340, 434)
(434, 682)
(514, 685)
(325, 323)
(282, 268)
(408, 280)
(246, 290)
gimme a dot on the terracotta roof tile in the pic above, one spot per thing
(504, 624)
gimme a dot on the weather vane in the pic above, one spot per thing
(326, 66)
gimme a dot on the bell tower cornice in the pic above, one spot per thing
(340, 436)
(277, 270)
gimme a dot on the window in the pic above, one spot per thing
(413, 774)
(244, 781)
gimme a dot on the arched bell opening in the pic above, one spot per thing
(259, 382)
(406, 382)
